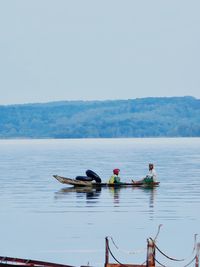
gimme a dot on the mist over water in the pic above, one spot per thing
(45, 220)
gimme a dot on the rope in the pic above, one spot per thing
(183, 266)
(157, 232)
(124, 251)
(113, 242)
(190, 261)
(116, 258)
(193, 250)
(195, 243)
(167, 257)
(170, 258)
(159, 262)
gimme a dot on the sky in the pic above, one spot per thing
(53, 50)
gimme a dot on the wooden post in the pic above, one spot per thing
(150, 253)
(197, 255)
(197, 261)
(106, 253)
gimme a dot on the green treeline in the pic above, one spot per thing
(146, 117)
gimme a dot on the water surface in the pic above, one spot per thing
(43, 219)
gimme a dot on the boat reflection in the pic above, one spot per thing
(152, 196)
(115, 191)
(89, 192)
(151, 191)
(92, 194)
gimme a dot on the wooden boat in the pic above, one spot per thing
(79, 183)
(12, 262)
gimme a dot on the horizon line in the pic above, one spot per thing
(95, 100)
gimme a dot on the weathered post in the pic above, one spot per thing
(197, 255)
(106, 253)
(150, 253)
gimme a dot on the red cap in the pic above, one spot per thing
(116, 171)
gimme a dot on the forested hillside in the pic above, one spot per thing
(147, 117)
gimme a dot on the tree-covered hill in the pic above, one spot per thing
(146, 117)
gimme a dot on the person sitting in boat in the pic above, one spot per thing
(115, 179)
(151, 177)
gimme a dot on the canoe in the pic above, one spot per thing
(74, 182)
(12, 262)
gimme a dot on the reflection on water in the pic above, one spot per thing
(152, 195)
(117, 194)
(89, 192)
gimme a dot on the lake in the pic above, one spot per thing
(45, 220)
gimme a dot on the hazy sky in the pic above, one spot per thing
(98, 49)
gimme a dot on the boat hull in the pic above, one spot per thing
(74, 182)
(18, 262)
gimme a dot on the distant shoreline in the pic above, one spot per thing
(161, 117)
(103, 138)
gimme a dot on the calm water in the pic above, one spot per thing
(43, 219)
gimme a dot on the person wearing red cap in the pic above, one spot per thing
(115, 179)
